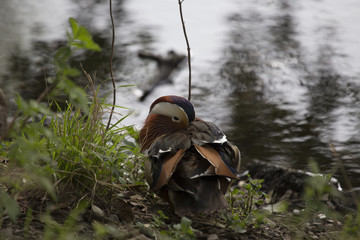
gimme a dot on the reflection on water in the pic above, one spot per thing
(281, 77)
(269, 127)
(39, 30)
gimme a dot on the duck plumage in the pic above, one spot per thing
(190, 162)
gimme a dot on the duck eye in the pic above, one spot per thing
(175, 119)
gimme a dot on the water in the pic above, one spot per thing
(281, 78)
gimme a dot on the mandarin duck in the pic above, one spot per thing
(189, 162)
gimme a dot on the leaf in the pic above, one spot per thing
(71, 72)
(61, 57)
(85, 37)
(185, 223)
(235, 191)
(74, 26)
(81, 38)
(10, 205)
(98, 211)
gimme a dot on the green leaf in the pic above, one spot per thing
(10, 205)
(185, 223)
(235, 191)
(74, 26)
(62, 55)
(85, 37)
(71, 72)
(80, 37)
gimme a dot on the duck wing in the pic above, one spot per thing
(164, 155)
(212, 145)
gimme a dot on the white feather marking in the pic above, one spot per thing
(197, 175)
(221, 140)
(164, 151)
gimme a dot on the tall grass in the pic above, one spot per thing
(87, 155)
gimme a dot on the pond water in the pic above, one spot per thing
(281, 78)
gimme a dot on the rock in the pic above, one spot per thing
(282, 183)
(213, 237)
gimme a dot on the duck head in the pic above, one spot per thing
(167, 114)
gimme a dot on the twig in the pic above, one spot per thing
(187, 44)
(91, 81)
(346, 177)
(111, 60)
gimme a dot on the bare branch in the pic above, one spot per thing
(111, 60)
(187, 44)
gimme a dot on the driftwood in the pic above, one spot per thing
(166, 65)
(3, 113)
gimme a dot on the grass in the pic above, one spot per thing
(68, 153)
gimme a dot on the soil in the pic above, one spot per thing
(131, 213)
